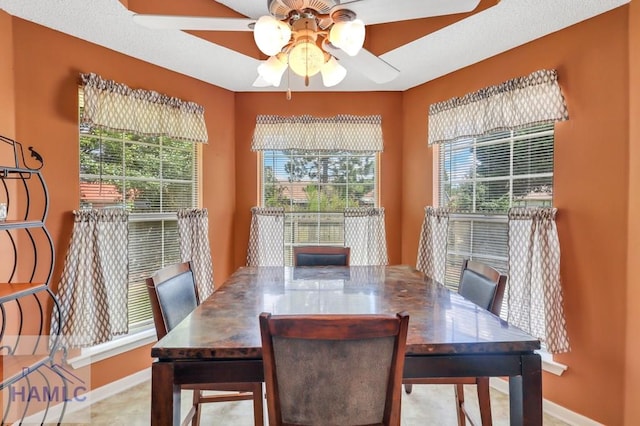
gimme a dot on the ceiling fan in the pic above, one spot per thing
(313, 36)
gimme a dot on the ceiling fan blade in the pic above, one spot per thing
(176, 22)
(366, 63)
(261, 82)
(252, 9)
(382, 11)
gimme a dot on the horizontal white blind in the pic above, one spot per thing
(152, 245)
(315, 187)
(480, 179)
(152, 177)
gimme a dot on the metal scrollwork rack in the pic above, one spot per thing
(30, 383)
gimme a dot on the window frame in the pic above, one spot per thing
(141, 332)
(439, 157)
(291, 214)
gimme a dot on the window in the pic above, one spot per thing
(479, 179)
(315, 187)
(152, 177)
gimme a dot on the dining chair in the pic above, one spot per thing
(484, 286)
(321, 256)
(333, 369)
(173, 295)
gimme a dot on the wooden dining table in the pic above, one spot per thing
(448, 336)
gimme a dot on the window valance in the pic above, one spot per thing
(522, 101)
(339, 133)
(114, 106)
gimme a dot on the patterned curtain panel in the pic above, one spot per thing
(93, 289)
(113, 106)
(364, 233)
(339, 133)
(193, 230)
(266, 237)
(432, 249)
(523, 101)
(534, 290)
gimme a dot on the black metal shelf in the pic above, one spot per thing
(12, 291)
(20, 224)
(8, 172)
(27, 346)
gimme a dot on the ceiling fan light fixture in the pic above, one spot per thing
(299, 34)
(271, 35)
(272, 69)
(348, 36)
(332, 73)
(306, 58)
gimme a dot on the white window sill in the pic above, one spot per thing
(115, 347)
(551, 366)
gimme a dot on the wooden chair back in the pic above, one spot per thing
(483, 285)
(321, 256)
(333, 369)
(173, 296)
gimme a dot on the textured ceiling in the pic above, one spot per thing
(461, 42)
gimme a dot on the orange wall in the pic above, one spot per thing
(7, 113)
(590, 164)
(592, 59)
(632, 373)
(7, 117)
(46, 71)
(386, 104)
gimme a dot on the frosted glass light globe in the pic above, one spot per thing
(271, 35)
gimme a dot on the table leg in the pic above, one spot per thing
(525, 393)
(165, 395)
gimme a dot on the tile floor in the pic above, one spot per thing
(426, 405)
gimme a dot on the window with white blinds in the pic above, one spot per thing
(152, 177)
(479, 179)
(315, 187)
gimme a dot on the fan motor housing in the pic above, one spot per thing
(280, 9)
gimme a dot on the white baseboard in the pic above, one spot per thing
(92, 397)
(551, 408)
(114, 388)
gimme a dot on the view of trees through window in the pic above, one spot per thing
(152, 177)
(305, 181)
(315, 188)
(143, 174)
(480, 179)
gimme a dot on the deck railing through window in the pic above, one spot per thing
(312, 228)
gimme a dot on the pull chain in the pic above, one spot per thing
(289, 83)
(306, 61)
